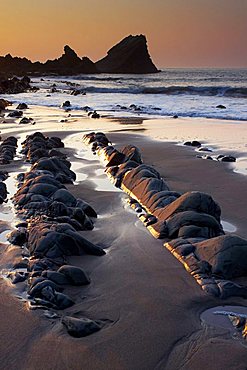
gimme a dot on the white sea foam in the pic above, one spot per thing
(187, 93)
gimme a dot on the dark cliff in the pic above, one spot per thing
(129, 56)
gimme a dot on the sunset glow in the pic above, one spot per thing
(180, 33)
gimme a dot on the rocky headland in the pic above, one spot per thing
(129, 56)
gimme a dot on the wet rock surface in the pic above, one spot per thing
(8, 150)
(14, 85)
(190, 222)
(52, 218)
(80, 327)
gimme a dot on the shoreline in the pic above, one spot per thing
(148, 130)
(220, 135)
(151, 303)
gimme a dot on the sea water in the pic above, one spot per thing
(182, 92)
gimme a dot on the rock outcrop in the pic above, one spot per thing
(129, 56)
(14, 85)
(69, 63)
(190, 223)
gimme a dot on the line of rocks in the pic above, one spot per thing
(17, 113)
(189, 222)
(8, 149)
(200, 148)
(3, 188)
(52, 218)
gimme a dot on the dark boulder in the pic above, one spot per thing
(210, 226)
(193, 143)
(55, 276)
(22, 106)
(25, 120)
(37, 288)
(80, 327)
(4, 104)
(66, 104)
(18, 237)
(57, 240)
(15, 114)
(132, 153)
(231, 289)
(227, 254)
(75, 275)
(3, 192)
(191, 201)
(226, 158)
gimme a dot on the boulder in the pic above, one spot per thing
(80, 327)
(4, 104)
(193, 143)
(210, 226)
(226, 158)
(18, 237)
(231, 289)
(52, 240)
(132, 153)
(227, 254)
(190, 201)
(15, 114)
(22, 106)
(75, 275)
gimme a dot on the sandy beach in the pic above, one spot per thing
(149, 304)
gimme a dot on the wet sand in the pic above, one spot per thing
(150, 304)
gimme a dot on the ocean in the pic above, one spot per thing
(182, 92)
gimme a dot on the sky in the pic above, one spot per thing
(180, 33)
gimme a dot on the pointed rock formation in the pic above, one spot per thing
(69, 63)
(129, 56)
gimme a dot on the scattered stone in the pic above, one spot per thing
(25, 120)
(193, 143)
(204, 149)
(15, 114)
(4, 104)
(79, 328)
(95, 115)
(22, 106)
(66, 104)
(226, 158)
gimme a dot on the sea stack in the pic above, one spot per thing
(69, 63)
(128, 56)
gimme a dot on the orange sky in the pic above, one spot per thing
(181, 33)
